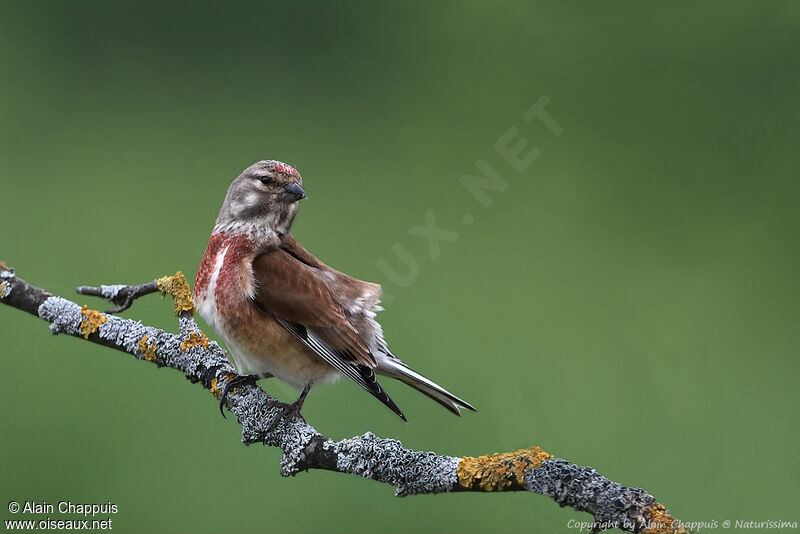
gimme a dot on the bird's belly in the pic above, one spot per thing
(261, 345)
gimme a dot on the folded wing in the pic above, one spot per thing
(302, 297)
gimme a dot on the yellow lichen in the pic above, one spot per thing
(178, 287)
(215, 389)
(659, 521)
(92, 322)
(195, 339)
(3, 290)
(493, 472)
(148, 350)
(4, 266)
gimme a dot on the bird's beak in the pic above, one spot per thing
(293, 193)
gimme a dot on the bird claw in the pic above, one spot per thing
(288, 410)
(235, 382)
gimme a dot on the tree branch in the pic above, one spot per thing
(384, 460)
(121, 295)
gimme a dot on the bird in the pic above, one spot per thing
(284, 313)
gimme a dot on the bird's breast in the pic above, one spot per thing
(224, 281)
(224, 292)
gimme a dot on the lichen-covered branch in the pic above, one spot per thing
(121, 295)
(384, 460)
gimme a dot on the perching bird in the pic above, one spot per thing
(284, 313)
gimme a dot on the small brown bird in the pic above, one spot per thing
(284, 313)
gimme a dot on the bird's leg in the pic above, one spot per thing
(238, 381)
(289, 409)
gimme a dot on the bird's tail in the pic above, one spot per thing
(394, 368)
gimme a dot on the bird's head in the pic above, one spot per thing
(264, 196)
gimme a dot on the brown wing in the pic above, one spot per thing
(303, 299)
(348, 288)
(293, 247)
(299, 293)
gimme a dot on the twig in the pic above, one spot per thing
(385, 460)
(121, 295)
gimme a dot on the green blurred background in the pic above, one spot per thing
(629, 303)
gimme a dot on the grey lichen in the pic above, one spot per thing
(386, 460)
(583, 488)
(294, 437)
(255, 410)
(111, 292)
(63, 315)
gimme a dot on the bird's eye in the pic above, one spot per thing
(265, 180)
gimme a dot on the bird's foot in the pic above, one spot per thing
(233, 383)
(288, 411)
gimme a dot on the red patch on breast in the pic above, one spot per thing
(203, 276)
(234, 282)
